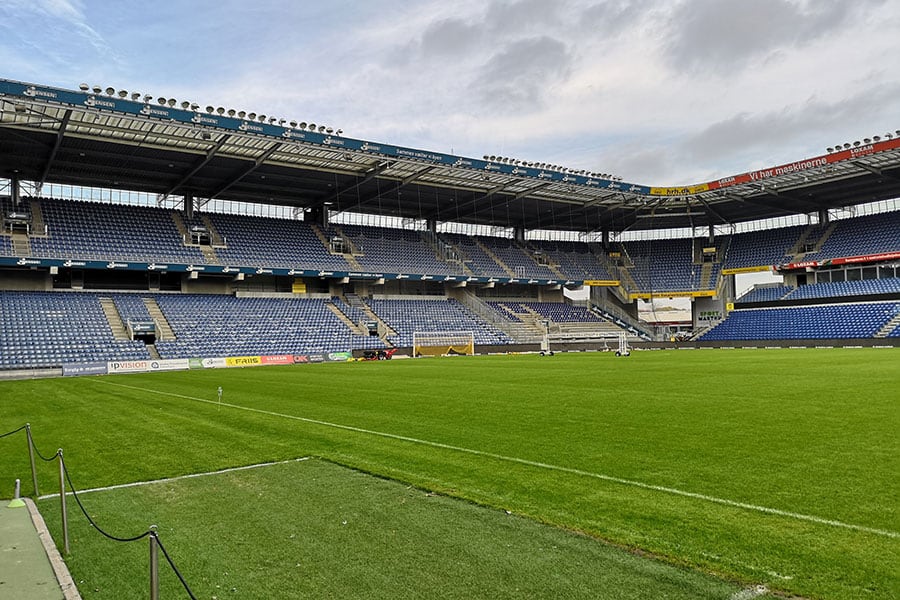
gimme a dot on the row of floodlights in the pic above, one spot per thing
(865, 141)
(548, 167)
(240, 114)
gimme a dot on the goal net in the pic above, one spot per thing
(439, 343)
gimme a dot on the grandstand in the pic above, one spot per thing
(265, 240)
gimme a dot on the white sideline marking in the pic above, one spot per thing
(177, 478)
(522, 461)
(750, 593)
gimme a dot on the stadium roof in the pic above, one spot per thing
(111, 139)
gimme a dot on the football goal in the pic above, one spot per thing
(440, 343)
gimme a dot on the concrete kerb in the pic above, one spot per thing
(60, 570)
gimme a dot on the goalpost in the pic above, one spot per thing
(440, 343)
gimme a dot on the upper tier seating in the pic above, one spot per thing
(90, 231)
(761, 248)
(766, 294)
(48, 329)
(664, 265)
(860, 236)
(573, 259)
(385, 250)
(833, 321)
(839, 289)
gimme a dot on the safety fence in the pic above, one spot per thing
(156, 545)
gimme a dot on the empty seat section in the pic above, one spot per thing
(409, 316)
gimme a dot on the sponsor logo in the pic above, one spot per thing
(33, 92)
(152, 111)
(326, 273)
(191, 268)
(203, 119)
(261, 271)
(27, 261)
(156, 267)
(95, 101)
(116, 265)
(293, 135)
(300, 359)
(245, 126)
(231, 270)
(74, 263)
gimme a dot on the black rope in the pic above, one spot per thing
(88, 517)
(12, 432)
(174, 568)
(41, 456)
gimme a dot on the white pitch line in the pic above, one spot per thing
(531, 463)
(176, 478)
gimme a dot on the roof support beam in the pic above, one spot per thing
(400, 185)
(63, 124)
(209, 156)
(368, 176)
(256, 164)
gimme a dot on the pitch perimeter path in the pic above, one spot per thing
(26, 572)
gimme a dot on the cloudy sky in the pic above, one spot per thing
(660, 92)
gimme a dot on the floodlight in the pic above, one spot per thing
(281, 122)
(867, 140)
(888, 135)
(847, 145)
(312, 126)
(220, 110)
(252, 116)
(830, 149)
(321, 129)
(329, 131)
(897, 132)
(110, 91)
(185, 105)
(162, 101)
(172, 102)
(242, 114)
(97, 89)
(84, 87)
(339, 132)
(272, 120)
(231, 112)
(262, 118)
(302, 125)
(877, 138)
(210, 109)
(135, 96)
(293, 124)
(147, 98)
(194, 106)
(123, 94)
(856, 143)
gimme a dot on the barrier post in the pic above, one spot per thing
(31, 457)
(154, 564)
(62, 500)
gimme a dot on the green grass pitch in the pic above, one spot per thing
(731, 468)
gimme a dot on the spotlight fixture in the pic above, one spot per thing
(210, 109)
(195, 106)
(321, 129)
(856, 143)
(241, 114)
(147, 98)
(293, 124)
(123, 94)
(231, 112)
(847, 145)
(135, 96)
(877, 138)
(830, 150)
(312, 126)
(97, 89)
(252, 116)
(162, 101)
(172, 102)
(302, 125)
(867, 140)
(262, 118)
(185, 105)
(220, 111)
(84, 87)
(110, 91)
(339, 132)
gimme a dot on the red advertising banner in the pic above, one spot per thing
(810, 163)
(848, 260)
(278, 359)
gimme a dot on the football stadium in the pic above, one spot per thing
(246, 357)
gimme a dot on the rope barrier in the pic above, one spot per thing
(174, 568)
(93, 523)
(88, 517)
(3, 435)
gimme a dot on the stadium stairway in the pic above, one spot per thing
(164, 331)
(889, 327)
(116, 325)
(495, 258)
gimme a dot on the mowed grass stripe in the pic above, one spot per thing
(531, 463)
(318, 530)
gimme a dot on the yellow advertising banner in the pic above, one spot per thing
(602, 282)
(243, 361)
(693, 294)
(739, 270)
(679, 191)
